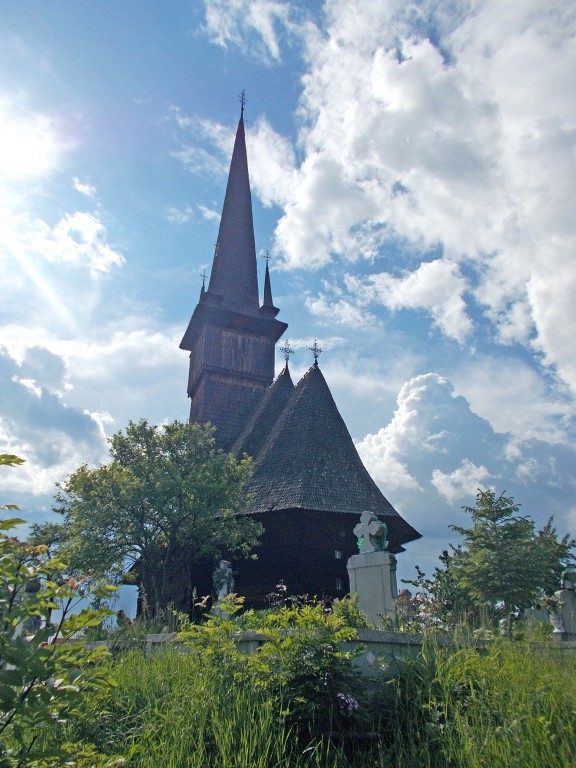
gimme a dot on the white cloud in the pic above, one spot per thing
(339, 310)
(463, 482)
(85, 188)
(435, 453)
(436, 286)
(82, 238)
(179, 215)
(36, 424)
(513, 398)
(253, 25)
(272, 164)
(48, 380)
(209, 214)
(452, 130)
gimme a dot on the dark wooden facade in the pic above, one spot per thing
(309, 485)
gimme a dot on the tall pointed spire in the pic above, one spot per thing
(231, 339)
(233, 280)
(268, 307)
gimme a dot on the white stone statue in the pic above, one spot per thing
(371, 534)
(223, 579)
(564, 620)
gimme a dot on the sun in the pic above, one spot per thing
(29, 147)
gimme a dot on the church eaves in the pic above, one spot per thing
(309, 462)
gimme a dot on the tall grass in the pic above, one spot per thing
(505, 704)
(170, 712)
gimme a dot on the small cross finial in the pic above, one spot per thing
(203, 275)
(242, 98)
(287, 350)
(316, 351)
(267, 257)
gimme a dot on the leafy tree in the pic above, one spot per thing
(168, 499)
(503, 559)
(441, 602)
(44, 672)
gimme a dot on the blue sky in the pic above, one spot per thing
(412, 169)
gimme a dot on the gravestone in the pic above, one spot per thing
(564, 619)
(223, 579)
(372, 571)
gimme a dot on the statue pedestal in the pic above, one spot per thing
(373, 578)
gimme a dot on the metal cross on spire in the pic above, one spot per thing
(287, 350)
(203, 275)
(242, 98)
(316, 351)
(267, 256)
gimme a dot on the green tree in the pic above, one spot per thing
(167, 499)
(503, 559)
(44, 671)
(442, 600)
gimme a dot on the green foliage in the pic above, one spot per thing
(208, 702)
(44, 671)
(441, 603)
(501, 704)
(298, 646)
(167, 498)
(503, 559)
(172, 710)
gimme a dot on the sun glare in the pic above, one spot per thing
(28, 143)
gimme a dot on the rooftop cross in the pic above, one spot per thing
(242, 98)
(267, 257)
(316, 351)
(287, 350)
(203, 275)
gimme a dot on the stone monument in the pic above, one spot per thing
(223, 579)
(564, 619)
(372, 571)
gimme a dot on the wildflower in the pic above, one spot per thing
(347, 705)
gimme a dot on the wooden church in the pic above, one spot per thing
(309, 484)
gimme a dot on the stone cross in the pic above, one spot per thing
(371, 533)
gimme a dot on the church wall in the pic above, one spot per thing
(239, 351)
(300, 547)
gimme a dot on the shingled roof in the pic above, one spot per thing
(265, 416)
(309, 462)
(233, 279)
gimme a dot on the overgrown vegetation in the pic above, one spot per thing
(167, 499)
(46, 673)
(501, 703)
(294, 700)
(502, 566)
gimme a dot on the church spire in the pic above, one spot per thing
(268, 307)
(233, 280)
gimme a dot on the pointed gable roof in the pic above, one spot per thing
(265, 416)
(233, 280)
(309, 462)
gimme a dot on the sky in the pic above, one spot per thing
(412, 165)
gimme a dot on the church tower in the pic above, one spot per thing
(309, 484)
(231, 338)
